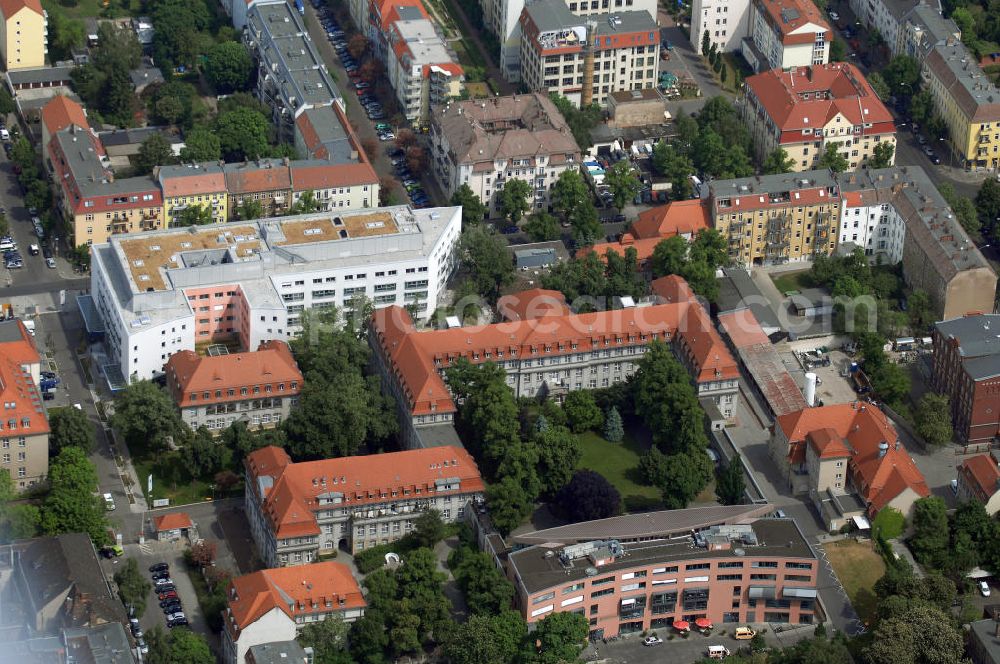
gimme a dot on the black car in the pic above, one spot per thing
(46, 252)
(159, 567)
(161, 574)
(170, 602)
(177, 622)
(170, 609)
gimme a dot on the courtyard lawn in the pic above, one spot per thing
(791, 281)
(619, 463)
(858, 566)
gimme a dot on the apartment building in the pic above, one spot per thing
(777, 218)
(968, 102)
(727, 24)
(484, 143)
(785, 34)
(273, 604)
(979, 480)
(966, 367)
(291, 76)
(908, 27)
(802, 110)
(259, 388)
(624, 46)
(756, 572)
(836, 452)
(544, 350)
(97, 204)
(868, 218)
(652, 226)
(423, 69)
(148, 288)
(24, 427)
(193, 185)
(267, 182)
(300, 512)
(24, 34)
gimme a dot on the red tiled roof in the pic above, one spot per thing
(879, 479)
(312, 176)
(175, 521)
(272, 364)
(61, 112)
(254, 179)
(415, 357)
(294, 590)
(290, 495)
(810, 97)
(983, 470)
(742, 328)
(676, 218)
(788, 17)
(672, 288)
(11, 7)
(194, 183)
(532, 303)
(17, 387)
(827, 443)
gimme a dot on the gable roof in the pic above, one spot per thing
(191, 180)
(174, 521)
(827, 443)
(61, 112)
(11, 7)
(532, 303)
(272, 364)
(290, 492)
(983, 470)
(879, 475)
(676, 218)
(296, 591)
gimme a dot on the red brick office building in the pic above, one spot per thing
(967, 369)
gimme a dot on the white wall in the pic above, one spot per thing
(274, 625)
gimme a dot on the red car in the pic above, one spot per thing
(167, 595)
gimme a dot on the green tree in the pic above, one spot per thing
(145, 415)
(179, 646)
(481, 639)
(891, 382)
(428, 529)
(558, 638)
(833, 159)
(486, 589)
(64, 34)
(559, 454)
(966, 24)
(731, 485)
(71, 505)
(582, 411)
(369, 637)
(889, 523)
(570, 193)
(6, 102)
(933, 419)
(777, 161)
(203, 456)
(514, 200)
(194, 215)
(473, 210)
(714, 157)
(250, 209)
(882, 155)
(201, 144)
(509, 504)
(487, 258)
(586, 226)
(902, 74)
(930, 531)
(228, 67)
(673, 164)
(541, 227)
(306, 203)
(964, 208)
(923, 635)
(669, 256)
(243, 134)
(133, 587)
(580, 120)
(879, 85)
(328, 639)
(623, 181)
(614, 431)
(154, 151)
(706, 44)
(70, 427)
(687, 473)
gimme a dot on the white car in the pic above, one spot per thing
(109, 502)
(984, 589)
(652, 641)
(835, 16)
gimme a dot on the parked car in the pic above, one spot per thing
(106, 551)
(159, 567)
(162, 582)
(177, 622)
(171, 605)
(141, 645)
(164, 589)
(46, 252)
(652, 641)
(984, 589)
(167, 595)
(109, 501)
(161, 574)
(33, 249)
(51, 262)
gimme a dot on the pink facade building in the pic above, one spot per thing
(757, 572)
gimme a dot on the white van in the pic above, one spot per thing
(4, 135)
(718, 652)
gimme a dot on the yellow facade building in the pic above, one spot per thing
(968, 102)
(774, 219)
(23, 34)
(192, 185)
